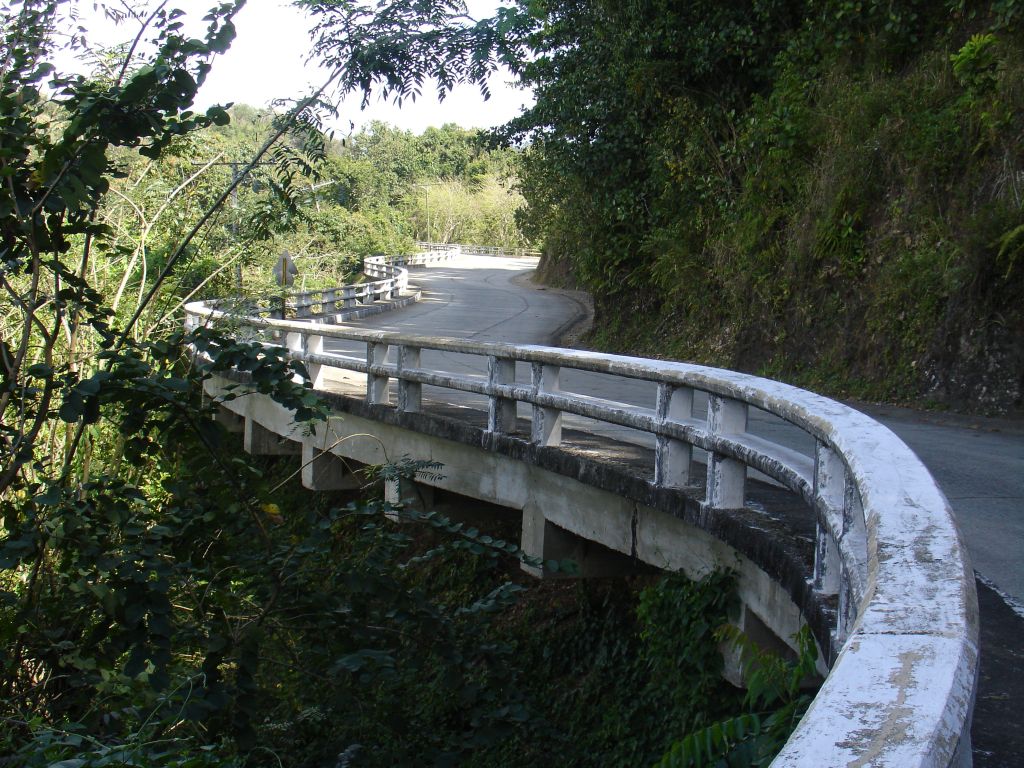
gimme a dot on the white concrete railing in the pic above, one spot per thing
(483, 250)
(392, 281)
(901, 689)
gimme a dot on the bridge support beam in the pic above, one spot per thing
(325, 471)
(545, 541)
(230, 420)
(260, 441)
(412, 496)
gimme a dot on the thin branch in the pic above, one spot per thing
(135, 43)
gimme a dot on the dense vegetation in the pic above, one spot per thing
(825, 191)
(166, 600)
(376, 191)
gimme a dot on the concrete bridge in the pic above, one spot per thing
(827, 517)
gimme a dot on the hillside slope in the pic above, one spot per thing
(834, 200)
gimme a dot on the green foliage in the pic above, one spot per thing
(975, 64)
(593, 658)
(832, 197)
(774, 704)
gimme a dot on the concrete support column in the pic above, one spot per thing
(763, 638)
(409, 495)
(324, 471)
(672, 457)
(501, 411)
(260, 441)
(726, 476)
(547, 422)
(377, 385)
(410, 393)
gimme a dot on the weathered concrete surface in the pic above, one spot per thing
(980, 465)
(896, 493)
(613, 505)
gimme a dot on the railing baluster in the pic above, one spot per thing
(377, 386)
(726, 476)
(315, 346)
(855, 539)
(330, 302)
(547, 422)
(296, 344)
(410, 393)
(830, 490)
(671, 456)
(501, 411)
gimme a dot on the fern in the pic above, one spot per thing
(1011, 246)
(775, 705)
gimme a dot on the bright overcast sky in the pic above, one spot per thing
(267, 61)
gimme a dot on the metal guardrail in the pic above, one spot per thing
(900, 690)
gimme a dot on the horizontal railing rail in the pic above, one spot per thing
(483, 250)
(904, 646)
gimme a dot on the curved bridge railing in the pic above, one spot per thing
(904, 645)
(483, 250)
(391, 282)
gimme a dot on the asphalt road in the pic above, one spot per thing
(978, 462)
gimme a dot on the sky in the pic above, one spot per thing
(267, 61)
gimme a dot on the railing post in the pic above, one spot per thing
(726, 476)
(501, 411)
(315, 346)
(855, 539)
(671, 456)
(295, 342)
(330, 302)
(376, 386)
(348, 296)
(410, 393)
(547, 422)
(830, 492)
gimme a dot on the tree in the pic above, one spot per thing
(137, 615)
